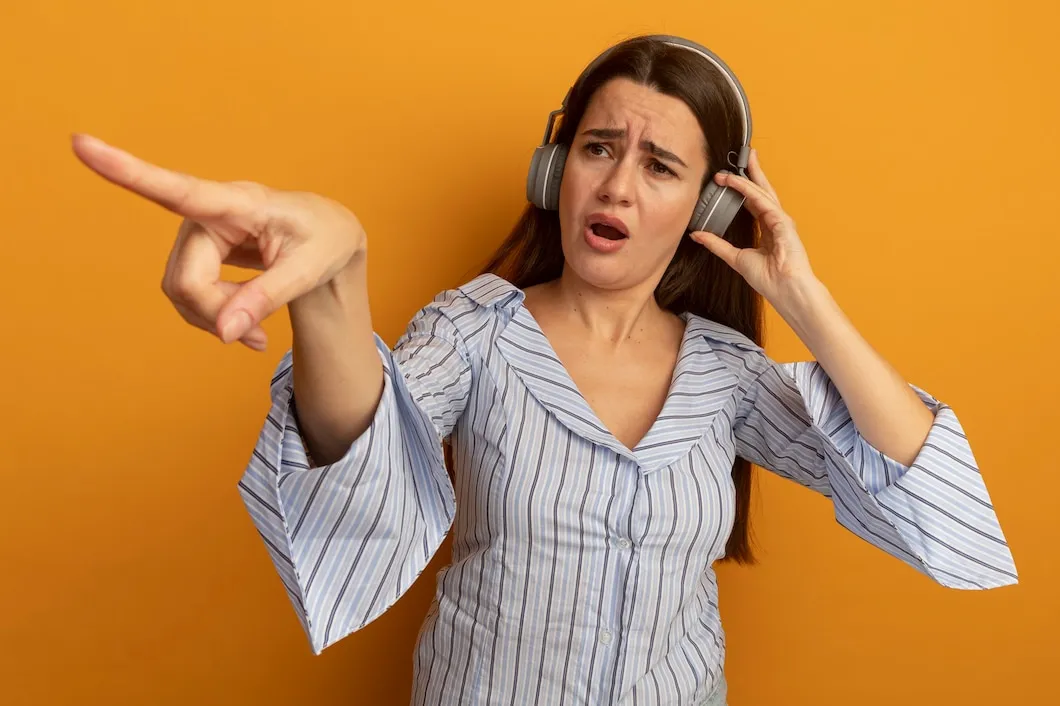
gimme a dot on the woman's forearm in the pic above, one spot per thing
(886, 411)
(337, 371)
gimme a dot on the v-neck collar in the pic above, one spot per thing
(700, 385)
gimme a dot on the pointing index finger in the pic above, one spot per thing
(181, 193)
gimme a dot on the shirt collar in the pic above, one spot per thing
(700, 387)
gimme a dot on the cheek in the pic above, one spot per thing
(574, 190)
(575, 180)
(671, 209)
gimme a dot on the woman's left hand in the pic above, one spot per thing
(779, 263)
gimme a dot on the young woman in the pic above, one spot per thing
(602, 391)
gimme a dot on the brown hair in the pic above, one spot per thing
(696, 280)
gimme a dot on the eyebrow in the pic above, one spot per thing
(654, 149)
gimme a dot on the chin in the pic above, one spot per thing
(609, 272)
(600, 276)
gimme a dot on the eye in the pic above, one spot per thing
(661, 169)
(596, 149)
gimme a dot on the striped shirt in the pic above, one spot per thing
(581, 570)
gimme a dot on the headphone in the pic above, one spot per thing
(717, 205)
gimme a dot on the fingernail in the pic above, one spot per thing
(257, 340)
(235, 328)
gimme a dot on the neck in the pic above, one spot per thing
(612, 315)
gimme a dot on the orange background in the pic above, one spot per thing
(915, 144)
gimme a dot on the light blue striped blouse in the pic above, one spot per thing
(581, 569)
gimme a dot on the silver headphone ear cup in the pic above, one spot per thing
(545, 175)
(729, 204)
(706, 198)
(716, 209)
(555, 177)
(534, 191)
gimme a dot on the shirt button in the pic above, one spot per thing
(623, 543)
(605, 637)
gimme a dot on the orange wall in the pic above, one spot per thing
(914, 142)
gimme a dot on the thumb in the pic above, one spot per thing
(717, 245)
(257, 298)
(253, 336)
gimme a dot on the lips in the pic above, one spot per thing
(607, 226)
(605, 234)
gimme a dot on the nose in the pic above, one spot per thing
(617, 186)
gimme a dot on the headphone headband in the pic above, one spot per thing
(745, 111)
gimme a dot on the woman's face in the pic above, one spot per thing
(630, 184)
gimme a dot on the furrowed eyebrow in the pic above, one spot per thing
(654, 149)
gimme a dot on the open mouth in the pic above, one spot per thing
(605, 231)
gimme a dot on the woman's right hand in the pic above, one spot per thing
(299, 240)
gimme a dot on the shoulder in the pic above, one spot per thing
(485, 296)
(711, 332)
(492, 292)
(735, 350)
(738, 353)
(464, 311)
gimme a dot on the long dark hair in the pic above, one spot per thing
(696, 280)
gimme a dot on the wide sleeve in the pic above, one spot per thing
(349, 538)
(935, 514)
